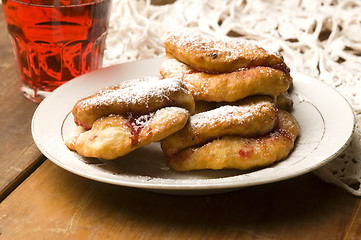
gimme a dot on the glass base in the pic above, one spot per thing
(33, 94)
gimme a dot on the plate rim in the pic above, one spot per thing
(179, 187)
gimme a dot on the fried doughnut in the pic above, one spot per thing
(138, 96)
(211, 55)
(114, 136)
(238, 152)
(228, 87)
(254, 117)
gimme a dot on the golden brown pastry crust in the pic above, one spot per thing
(254, 117)
(114, 136)
(239, 152)
(137, 96)
(212, 55)
(228, 87)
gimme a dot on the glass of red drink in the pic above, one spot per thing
(55, 40)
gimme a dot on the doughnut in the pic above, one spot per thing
(137, 96)
(115, 135)
(241, 153)
(253, 117)
(227, 87)
(207, 54)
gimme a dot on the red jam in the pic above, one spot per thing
(246, 151)
(136, 123)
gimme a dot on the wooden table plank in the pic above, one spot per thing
(354, 230)
(55, 204)
(19, 155)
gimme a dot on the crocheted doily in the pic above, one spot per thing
(318, 38)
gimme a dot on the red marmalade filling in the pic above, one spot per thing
(136, 123)
(246, 151)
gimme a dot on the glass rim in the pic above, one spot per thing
(30, 3)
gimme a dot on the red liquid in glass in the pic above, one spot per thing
(54, 44)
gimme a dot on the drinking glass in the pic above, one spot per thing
(55, 41)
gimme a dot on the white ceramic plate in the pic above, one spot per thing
(325, 118)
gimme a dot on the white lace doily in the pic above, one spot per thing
(318, 38)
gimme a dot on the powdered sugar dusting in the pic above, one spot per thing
(231, 47)
(135, 91)
(186, 39)
(224, 114)
(138, 123)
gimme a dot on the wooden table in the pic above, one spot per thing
(42, 201)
